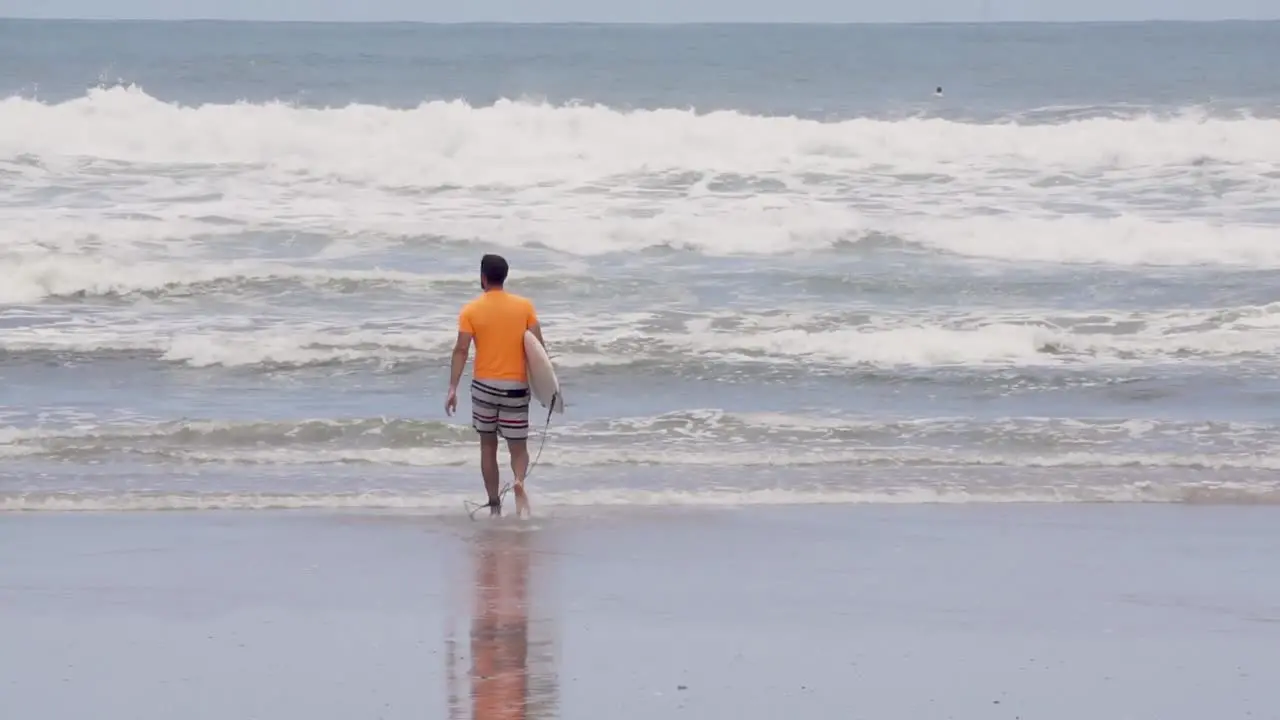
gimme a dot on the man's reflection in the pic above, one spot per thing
(508, 677)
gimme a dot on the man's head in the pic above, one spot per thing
(493, 271)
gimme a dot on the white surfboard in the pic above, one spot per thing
(542, 376)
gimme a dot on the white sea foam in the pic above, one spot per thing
(926, 339)
(709, 438)
(31, 277)
(705, 457)
(995, 337)
(551, 501)
(993, 344)
(1125, 240)
(589, 180)
(470, 145)
(682, 455)
(83, 429)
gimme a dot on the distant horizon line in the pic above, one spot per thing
(615, 23)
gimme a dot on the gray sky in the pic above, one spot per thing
(649, 10)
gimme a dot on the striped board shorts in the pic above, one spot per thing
(500, 406)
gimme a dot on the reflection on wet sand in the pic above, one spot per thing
(512, 671)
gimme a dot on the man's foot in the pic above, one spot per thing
(522, 499)
(495, 508)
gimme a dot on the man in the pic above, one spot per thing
(496, 322)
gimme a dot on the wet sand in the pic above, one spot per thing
(1127, 611)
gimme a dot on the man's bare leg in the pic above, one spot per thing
(489, 469)
(519, 450)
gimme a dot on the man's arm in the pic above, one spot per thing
(461, 349)
(534, 326)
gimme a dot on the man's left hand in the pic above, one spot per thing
(451, 402)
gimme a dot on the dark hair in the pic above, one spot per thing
(494, 269)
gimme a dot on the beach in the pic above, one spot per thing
(879, 403)
(1109, 611)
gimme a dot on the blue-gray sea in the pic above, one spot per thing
(772, 263)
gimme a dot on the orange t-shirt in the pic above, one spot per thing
(497, 320)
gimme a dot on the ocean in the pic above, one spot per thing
(772, 265)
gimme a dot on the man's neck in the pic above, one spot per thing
(493, 289)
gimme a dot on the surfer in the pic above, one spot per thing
(496, 322)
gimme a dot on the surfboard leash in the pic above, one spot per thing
(473, 508)
(546, 425)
